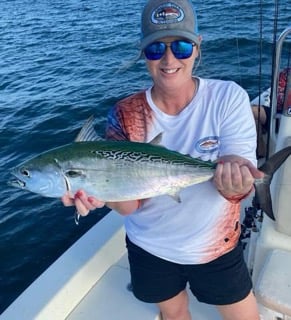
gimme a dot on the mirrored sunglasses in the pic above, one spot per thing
(181, 49)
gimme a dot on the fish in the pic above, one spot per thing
(114, 171)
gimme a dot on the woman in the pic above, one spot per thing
(171, 244)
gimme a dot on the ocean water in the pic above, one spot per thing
(62, 61)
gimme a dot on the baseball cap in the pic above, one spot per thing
(161, 18)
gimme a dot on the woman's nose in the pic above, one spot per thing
(168, 56)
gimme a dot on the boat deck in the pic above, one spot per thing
(112, 287)
(90, 281)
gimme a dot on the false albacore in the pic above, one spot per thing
(124, 170)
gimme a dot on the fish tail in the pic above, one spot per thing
(263, 193)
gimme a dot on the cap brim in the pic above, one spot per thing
(168, 33)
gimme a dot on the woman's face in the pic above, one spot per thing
(170, 73)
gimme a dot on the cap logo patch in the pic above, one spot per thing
(167, 13)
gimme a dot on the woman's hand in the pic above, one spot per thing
(234, 177)
(84, 204)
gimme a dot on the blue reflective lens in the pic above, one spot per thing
(181, 49)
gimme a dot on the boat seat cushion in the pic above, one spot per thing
(273, 288)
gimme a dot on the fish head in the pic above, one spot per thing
(47, 180)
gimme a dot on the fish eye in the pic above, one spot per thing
(25, 172)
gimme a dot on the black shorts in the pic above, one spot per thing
(225, 280)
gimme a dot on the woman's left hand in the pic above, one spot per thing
(234, 176)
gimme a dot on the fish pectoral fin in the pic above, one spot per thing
(156, 141)
(175, 196)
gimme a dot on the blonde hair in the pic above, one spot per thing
(199, 58)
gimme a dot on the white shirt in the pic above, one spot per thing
(218, 121)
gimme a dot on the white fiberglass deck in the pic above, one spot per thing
(117, 302)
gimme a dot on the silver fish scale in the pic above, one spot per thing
(120, 179)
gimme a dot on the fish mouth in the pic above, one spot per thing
(17, 183)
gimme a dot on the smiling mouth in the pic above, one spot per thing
(170, 71)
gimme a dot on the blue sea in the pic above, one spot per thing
(63, 61)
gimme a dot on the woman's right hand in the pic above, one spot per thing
(84, 204)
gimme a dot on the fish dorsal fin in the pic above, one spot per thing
(88, 132)
(156, 141)
(176, 196)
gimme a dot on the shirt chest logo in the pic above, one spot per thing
(208, 144)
